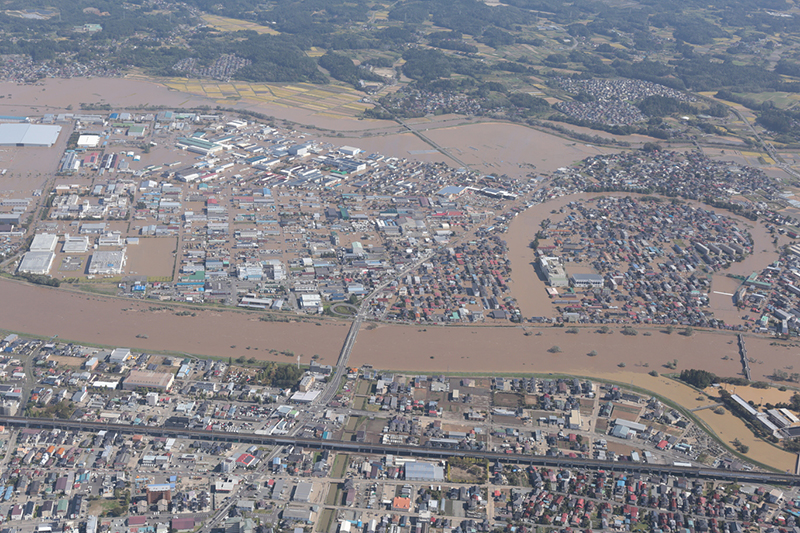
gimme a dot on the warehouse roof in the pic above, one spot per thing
(28, 134)
(36, 262)
(424, 472)
(44, 242)
(139, 378)
(587, 277)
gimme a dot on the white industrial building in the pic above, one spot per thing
(554, 271)
(28, 135)
(107, 262)
(88, 141)
(44, 242)
(587, 280)
(119, 355)
(274, 269)
(113, 238)
(36, 262)
(349, 150)
(74, 244)
(311, 302)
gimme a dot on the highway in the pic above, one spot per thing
(441, 149)
(739, 476)
(768, 147)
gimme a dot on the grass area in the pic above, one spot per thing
(334, 100)
(333, 496)
(364, 387)
(340, 465)
(507, 399)
(102, 506)
(104, 289)
(780, 99)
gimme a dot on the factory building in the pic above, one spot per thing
(36, 263)
(36, 135)
(107, 262)
(139, 379)
(44, 242)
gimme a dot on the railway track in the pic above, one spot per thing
(738, 476)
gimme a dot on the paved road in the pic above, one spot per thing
(439, 148)
(768, 147)
(344, 356)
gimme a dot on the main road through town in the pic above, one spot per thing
(363, 311)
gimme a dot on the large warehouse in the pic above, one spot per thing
(44, 242)
(28, 135)
(107, 263)
(36, 262)
(139, 379)
(419, 471)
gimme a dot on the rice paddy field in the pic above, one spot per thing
(334, 101)
(228, 24)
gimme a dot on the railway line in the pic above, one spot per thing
(738, 476)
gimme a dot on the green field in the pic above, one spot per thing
(325, 520)
(340, 465)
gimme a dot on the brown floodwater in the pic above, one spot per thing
(96, 319)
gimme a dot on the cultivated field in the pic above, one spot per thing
(332, 100)
(229, 24)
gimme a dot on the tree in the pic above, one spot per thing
(794, 402)
(593, 353)
(629, 331)
(653, 373)
(779, 375)
(698, 378)
(651, 147)
(688, 332)
(554, 349)
(669, 330)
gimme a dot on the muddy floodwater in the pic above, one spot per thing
(150, 326)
